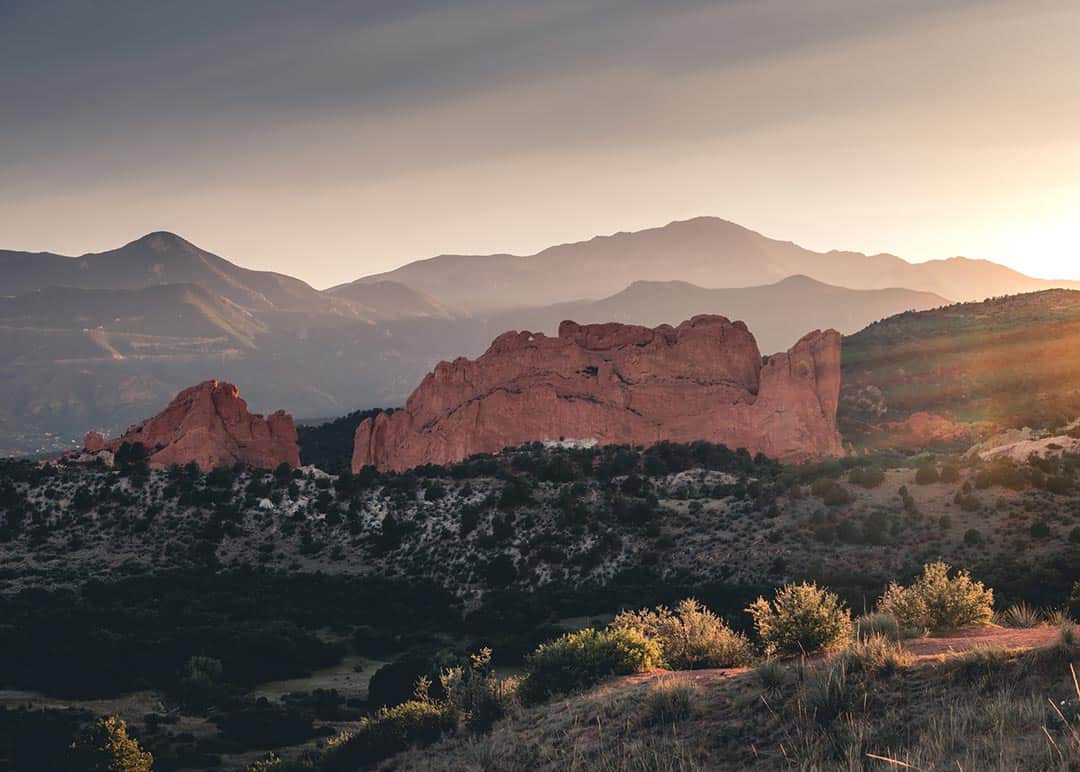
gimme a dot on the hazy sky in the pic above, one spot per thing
(330, 140)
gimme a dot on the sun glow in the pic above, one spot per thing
(1048, 250)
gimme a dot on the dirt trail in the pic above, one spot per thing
(930, 647)
(990, 636)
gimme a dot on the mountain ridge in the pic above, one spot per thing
(708, 251)
(778, 312)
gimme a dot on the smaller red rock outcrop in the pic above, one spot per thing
(93, 442)
(617, 383)
(209, 424)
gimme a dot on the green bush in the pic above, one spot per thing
(868, 477)
(937, 602)
(877, 624)
(830, 492)
(772, 676)
(390, 731)
(106, 747)
(476, 693)
(579, 660)
(199, 684)
(875, 654)
(1039, 530)
(1020, 615)
(950, 473)
(926, 474)
(691, 636)
(801, 619)
(670, 701)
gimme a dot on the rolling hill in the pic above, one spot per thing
(1007, 361)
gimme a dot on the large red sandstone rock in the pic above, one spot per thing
(209, 424)
(616, 383)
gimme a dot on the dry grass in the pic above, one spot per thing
(872, 707)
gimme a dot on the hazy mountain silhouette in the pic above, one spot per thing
(102, 340)
(155, 259)
(390, 300)
(705, 251)
(778, 314)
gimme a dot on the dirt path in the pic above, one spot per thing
(990, 636)
(934, 646)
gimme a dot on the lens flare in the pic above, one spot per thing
(1048, 250)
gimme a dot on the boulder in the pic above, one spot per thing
(615, 384)
(209, 424)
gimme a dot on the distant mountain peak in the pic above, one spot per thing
(160, 241)
(801, 280)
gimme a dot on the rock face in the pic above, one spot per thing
(93, 442)
(616, 383)
(209, 424)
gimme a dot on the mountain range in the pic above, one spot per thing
(104, 339)
(706, 251)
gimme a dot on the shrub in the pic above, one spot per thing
(391, 730)
(105, 745)
(265, 724)
(200, 685)
(671, 700)
(1039, 530)
(937, 602)
(950, 473)
(877, 624)
(868, 477)
(772, 676)
(1057, 617)
(830, 492)
(1068, 635)
(972, 537)
(801, 619)
(828, 691)
(848, 533)
(691, 636)
(579, 660)
(475, 692)
(926, 474)
(1020, 615)
(875, 655)
(967, 502)
(395, 682)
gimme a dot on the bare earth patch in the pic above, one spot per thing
(991, 636)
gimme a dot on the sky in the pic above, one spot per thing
(330, 140)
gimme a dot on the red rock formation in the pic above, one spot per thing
(616, 383)
(93, 442)
(210, 425)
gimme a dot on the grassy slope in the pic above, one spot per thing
(1009, 360)
(984, 709)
